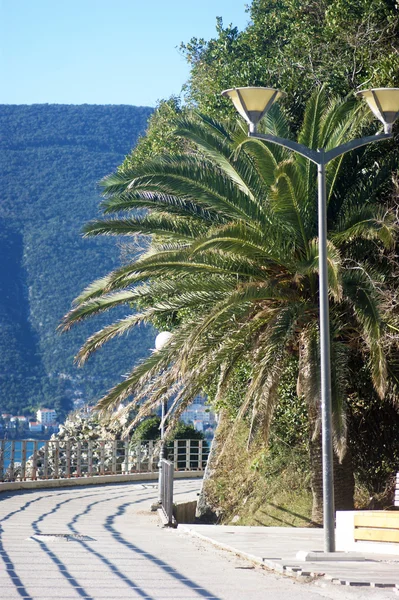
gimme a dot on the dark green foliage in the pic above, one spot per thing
(183, 431)
(231, 400)
(159, 135)
(290, 425)
(296, 45)
(97, 128)
(149, 429)
(52, 157)
(373, 433)
(373, 428)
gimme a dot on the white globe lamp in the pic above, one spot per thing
(162, 339)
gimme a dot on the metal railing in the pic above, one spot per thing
(30, 460)
(167, 491)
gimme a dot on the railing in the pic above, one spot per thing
(30, 460)
(167, 491)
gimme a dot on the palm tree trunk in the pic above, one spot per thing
(316, 476)
(344, 483)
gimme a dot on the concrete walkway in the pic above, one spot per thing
(103, 543)
(277, 547)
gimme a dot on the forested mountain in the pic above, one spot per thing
(52, 157)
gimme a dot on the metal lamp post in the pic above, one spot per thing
(252, 103)
(160, 341)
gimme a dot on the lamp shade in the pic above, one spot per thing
(384, 103)
(252, 102)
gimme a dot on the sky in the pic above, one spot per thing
(102, 51)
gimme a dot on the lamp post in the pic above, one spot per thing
(252, 103)
(160, 341)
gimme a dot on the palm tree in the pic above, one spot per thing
(234, 253)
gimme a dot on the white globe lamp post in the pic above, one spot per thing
(160, 341)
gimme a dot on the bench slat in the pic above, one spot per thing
(377, 535)
(382, 519)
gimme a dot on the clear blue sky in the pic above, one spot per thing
(102, 51)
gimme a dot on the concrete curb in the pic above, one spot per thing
(289, 568)
(184, 511)
(221, 545)
(97, 480)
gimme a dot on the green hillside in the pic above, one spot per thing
(52, 157)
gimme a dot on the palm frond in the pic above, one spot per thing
(265, 156)
(97, 340)
(119, 393)
(311, 129)
(339, 386)
(364, 298)
(236, 238)
(262, 391)
(217, 147)
(368, 222)
(334, 266)
(95, 306)
(157, 202)
(276, 122)
(287, 200)
(94, 290)
(173, 226)
(180, 263)
(309, 136)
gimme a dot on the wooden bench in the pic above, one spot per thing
(372, 531)
(377, 526)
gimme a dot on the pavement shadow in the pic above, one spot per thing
(37, 526)
(283, 512)
(106, 561)
(119, 538)
(61, 566)
(8, 563)
(290, 512)
(11, 572)
(192, 585)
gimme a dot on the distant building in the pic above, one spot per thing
(20, 419)
(199, 415)
(35, 427)
(46, 416)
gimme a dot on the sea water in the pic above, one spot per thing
(30, 445)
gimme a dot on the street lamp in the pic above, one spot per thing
(160, 341)
(252, 103)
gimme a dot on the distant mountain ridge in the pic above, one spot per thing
(52, 157)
